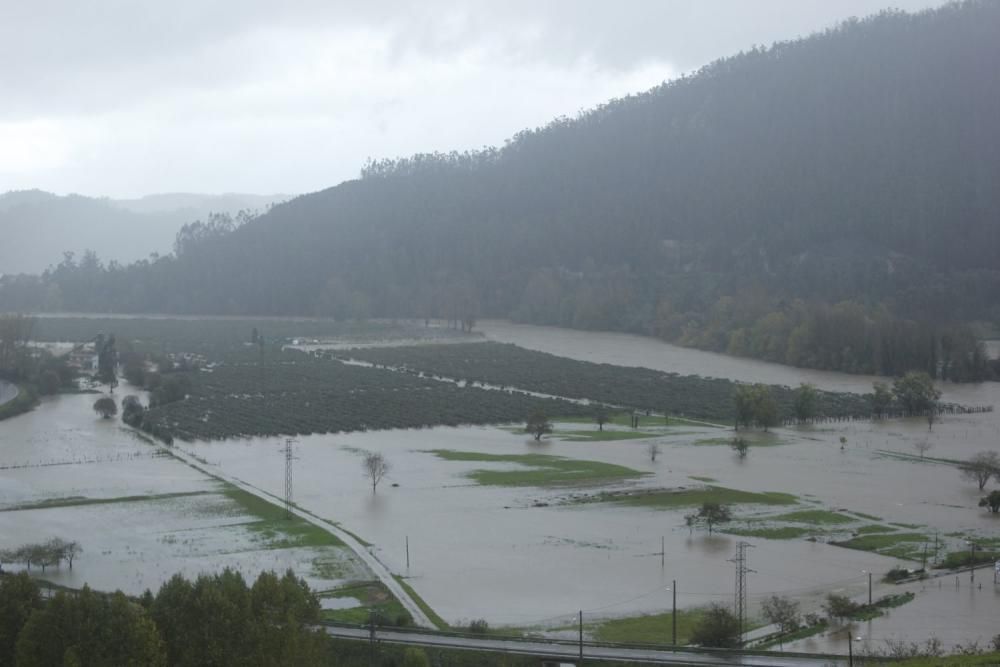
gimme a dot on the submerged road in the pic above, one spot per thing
(377, 567)
(571, 651)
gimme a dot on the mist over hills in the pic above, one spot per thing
(39, 226)
(828, 202)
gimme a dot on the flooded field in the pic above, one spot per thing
(140, 515)
(487, 539)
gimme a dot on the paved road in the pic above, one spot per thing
(374, 564)
(571, 651)
(8, 391)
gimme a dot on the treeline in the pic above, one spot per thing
(36, 371)
(214, 620)
(827, 202)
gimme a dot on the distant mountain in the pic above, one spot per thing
(38, 226)
(829, 202)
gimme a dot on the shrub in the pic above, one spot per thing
(479, 626)
(717, 628)
(49, 383)
(106, 407)
(840, 606)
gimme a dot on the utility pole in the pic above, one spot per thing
(850, 649)
(289, 457)
(581, 635)
(371, 637)
(663, 552)
(741, 583)
(673, 615)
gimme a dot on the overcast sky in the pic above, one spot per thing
(129, 97)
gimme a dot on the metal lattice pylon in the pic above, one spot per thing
(741, 584)
(289, 457)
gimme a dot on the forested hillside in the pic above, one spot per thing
(37, 227)
(828, 202)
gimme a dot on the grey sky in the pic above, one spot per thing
(128, 97)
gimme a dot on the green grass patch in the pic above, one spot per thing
(277, 530)
(773, 533)
(874, 528)
(77, 501)
(870, 517)
(913, 458)
(908, 526)
(695, 497)
(649, 629)
(603, 436)
(621, 419)
(815, 517)
(984, 660)
(438, 622)
(801, 633)
(755, 438)
(963, 558)
(373, 596)
(25, 401)
(899, 545)
(539, 469)
(698, 478)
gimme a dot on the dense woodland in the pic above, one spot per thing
(829, 202)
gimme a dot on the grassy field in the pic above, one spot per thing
(438, 622)
(899, 545)
(773, 532)
(275, 528)
(539, 469)
(814, 517)
(649, 629)
(667, 499)
(77, 501)
(755, 438)
(373, 596)
(602, 436)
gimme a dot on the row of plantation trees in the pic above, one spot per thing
(214, 620)
(44, 554)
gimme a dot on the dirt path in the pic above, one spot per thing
(374, 564)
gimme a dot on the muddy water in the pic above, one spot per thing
(63, 451)
(62, 448)
(491, 552)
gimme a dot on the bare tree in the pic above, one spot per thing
(741, 446)
(710, 514)
(375, 467)
(981, 467)
(654, 449)
(601, 417)
(781, 611)
(922, 446)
